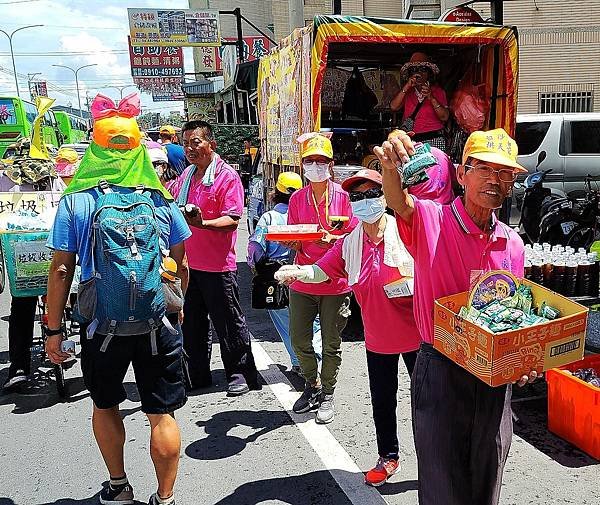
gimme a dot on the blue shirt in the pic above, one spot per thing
(176, 157)
(72, 228)
(259, 246)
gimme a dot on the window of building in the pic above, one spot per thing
(564, 102)
(529, 136)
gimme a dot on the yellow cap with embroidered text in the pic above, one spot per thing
(494, 146)
(317, 145)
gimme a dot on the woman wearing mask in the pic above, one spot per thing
(326, 204)
(261, 250)
(379, 270)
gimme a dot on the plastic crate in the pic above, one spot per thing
(27, 262)
(574, 406)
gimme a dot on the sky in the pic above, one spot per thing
(75, 33)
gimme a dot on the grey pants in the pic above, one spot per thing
(333, 313)
(462, 429)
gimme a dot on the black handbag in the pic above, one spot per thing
(267, 293)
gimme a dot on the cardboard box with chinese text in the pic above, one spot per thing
(501, 358)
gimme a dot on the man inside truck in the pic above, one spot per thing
(462, 427)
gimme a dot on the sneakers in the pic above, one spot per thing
(237, 389)
(15, 379)
(326, 410)
(308, 400)
(155, 500)
(117, 495)
(383, 470)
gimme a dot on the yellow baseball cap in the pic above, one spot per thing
(288, 182)
(167, 129)
(316, 144)
(494, 146)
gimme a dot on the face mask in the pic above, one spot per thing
(316, 172)
(369, 210)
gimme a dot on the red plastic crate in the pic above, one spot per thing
(574, 406)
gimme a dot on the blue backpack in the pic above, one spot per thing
(126, 258)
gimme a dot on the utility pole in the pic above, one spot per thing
(497, 8)
(12, 53)
(296, 8)
(76, 71)
(30, 78)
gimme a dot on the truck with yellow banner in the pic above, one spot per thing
(341, 73)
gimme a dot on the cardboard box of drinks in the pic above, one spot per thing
(502, 358)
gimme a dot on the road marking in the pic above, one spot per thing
(333, 456)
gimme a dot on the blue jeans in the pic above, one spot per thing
(281, 321)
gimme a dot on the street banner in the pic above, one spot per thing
(157, 70)
(174, 27)
(38, 88)
(273, 119)
(229, 65)
(289, 80)
(38, 148)
(38, 201)
(210, 59)
(201, 108)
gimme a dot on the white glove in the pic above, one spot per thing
(291, 273)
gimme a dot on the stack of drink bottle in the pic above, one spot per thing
(562, 269)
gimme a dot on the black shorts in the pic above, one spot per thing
(159, 378)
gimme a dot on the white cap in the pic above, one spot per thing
(158, 154)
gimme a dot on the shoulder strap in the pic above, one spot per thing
(416, 111)
(103, 187)
(185, 187)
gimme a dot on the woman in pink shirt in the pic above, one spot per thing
(424, 104)
(320, 203)
(379, 269)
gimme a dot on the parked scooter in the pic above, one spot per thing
(552, 217)
(566, 222)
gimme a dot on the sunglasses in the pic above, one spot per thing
(158, 163)
(357, 196)
(420, 69)
(485, 172)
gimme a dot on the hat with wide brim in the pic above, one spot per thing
(366, 174)
(418, 60)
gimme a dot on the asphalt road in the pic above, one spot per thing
(250, 450)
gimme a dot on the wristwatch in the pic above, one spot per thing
(52, 333)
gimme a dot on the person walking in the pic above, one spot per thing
(462, 427)
(324, 203)
(262, 251)
(213, 196)
(175, 152)
(122, 298)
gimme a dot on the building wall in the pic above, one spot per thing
(559, 45)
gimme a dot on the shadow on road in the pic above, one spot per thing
(308, 489)
(219, 444)
(532, 426)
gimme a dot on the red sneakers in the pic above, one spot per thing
(383, 470)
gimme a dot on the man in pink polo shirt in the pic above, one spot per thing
(462, 427)
(320, 203)
(213, 196)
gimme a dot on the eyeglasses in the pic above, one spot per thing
(357, 196)
(158, 163)
(485, 172)
(419, 68)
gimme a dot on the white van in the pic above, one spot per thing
(571, 143)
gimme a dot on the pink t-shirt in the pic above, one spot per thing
(389, 323)
(441, 177)
(302, 211)
(447, 246)
(210, 250)
(426, 119)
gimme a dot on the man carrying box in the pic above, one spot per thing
(462, 427)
